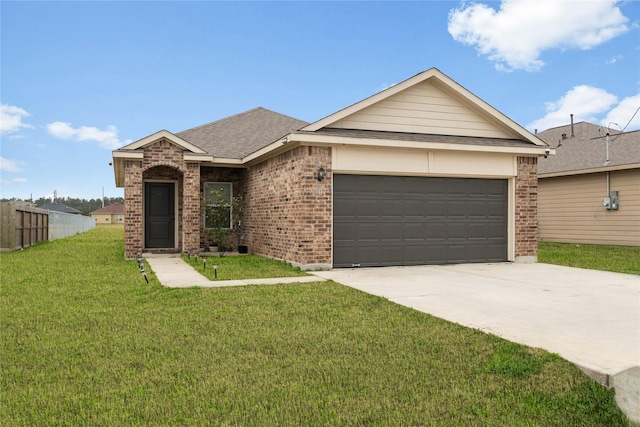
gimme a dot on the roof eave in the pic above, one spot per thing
(310, 138)
(589, 170)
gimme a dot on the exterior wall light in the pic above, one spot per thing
(321, 173)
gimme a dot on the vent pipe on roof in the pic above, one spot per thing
(572, 134)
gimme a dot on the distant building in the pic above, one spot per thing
(60, 207)
(589, 192)
(111, 214)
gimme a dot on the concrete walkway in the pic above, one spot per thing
(173, 272)
(591, 318)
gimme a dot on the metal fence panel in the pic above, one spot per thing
(64, 225)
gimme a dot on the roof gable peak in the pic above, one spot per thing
(160, 135)
(495, 123)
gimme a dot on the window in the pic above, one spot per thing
(106, 218)
(118, 218)
(218, 196)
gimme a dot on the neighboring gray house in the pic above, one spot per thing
(589, 192)
(60, 207)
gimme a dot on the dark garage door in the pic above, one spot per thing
(392, 220)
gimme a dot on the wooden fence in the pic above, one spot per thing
(22, 225)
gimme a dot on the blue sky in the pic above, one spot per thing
(79, 79)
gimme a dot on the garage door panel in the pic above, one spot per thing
(477, 231)
(457, 208)
(436, 230)
(496, 232)
(496, 209)
(386, 220)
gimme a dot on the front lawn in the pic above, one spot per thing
(232, 267)
(620, 259)
(85, 341)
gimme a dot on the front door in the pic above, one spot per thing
(159, 217)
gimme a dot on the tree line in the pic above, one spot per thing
(83, 205)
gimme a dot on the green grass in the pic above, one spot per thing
(620, 259)
(242, 267)
(85, 341)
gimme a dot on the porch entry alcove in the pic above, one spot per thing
(159, 215)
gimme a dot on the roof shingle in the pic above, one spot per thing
(586, 149)
(112, 209)
(238, 136)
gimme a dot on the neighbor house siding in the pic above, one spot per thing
(571, 209)
(113, 218)
(423, 108)
(287, 210)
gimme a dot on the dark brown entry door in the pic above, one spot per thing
(159, 204)
(392, 220)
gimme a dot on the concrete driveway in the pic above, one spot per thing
(591, 318)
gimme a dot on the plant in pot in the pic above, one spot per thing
(220, 216)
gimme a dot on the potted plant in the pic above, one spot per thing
(220, 217)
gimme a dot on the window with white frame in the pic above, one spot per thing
(107, 217)
(118, 218)
(218, 195)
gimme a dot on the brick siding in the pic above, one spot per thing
(287, 210)
(526, 209)
(163, 161)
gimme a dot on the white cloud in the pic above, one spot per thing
(515, 36)
(623, 113)
(107, 138)
(585, 102)
(613, 60)
(61, 130)
(11, 119)
(9, 165)
(593, 105)
(8, 182)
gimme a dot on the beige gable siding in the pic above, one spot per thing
(570, 209)
(423, 108)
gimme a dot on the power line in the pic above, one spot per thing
(625, 126)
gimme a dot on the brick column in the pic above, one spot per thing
(191, 208)
(526, 210)
(132, 208)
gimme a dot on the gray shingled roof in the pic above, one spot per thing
(238, 136)
(586, 149)
(420, 137)
(60, 207)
